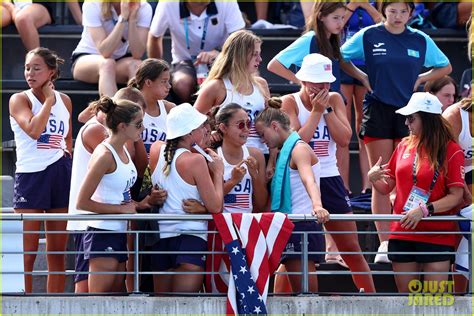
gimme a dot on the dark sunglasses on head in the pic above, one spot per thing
(410, 118)
(242, 125)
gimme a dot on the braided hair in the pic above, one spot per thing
(170, 149)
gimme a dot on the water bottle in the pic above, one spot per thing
(201, 73)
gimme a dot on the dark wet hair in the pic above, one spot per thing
(151, 69)
(272, 113)
(385, 4)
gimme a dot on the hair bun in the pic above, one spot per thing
(275, 103)
(106, 104)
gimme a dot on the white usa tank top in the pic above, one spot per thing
(239, 199)
(253, 105)
(35, 155)
(322, 143)
(155, 127)
(178, 190)
(80, 162)
(114, 188)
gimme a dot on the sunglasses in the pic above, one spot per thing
(242, 125)
(410, 118)
(138, 125)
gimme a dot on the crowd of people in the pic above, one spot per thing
(140, 148)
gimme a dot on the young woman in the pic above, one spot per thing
(387, 48)
(153, 80)
(319, 118)
(244, 167)
(302, 168)
(41, 122)
(106, 190)
(112, 43)
(445, 89)
(359, 14)
(426, 170)
(234, 78)
(184, 175)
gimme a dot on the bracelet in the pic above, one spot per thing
(424, 209)
(430, 208)
(121, 19)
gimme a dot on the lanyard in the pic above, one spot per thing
(204, 32)
(435, 177)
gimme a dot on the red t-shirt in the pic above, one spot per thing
(401, 169)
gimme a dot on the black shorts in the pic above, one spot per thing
(379, 120)
(414, 247)
(184, 66)
(105, 245)
(334, 196)
(293, 248)
(76, 56)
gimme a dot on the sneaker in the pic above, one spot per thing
(382, 257)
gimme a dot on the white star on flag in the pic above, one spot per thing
(260, 298)
(243, 269)
(235, 250)
(257, 310)
(250, 290)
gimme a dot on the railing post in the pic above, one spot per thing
(304, 263)
(136, 279)
(469, 242)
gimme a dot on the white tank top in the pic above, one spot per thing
(155, 127)
(114, 188)
(300, 200)
(178, 190)
(465, 140)
(239, 199)
(322, 143)
(35, 155)
(253, 105)
(80, 162)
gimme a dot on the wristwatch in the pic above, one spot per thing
(121, 19)
(430, 208)
(328, 110)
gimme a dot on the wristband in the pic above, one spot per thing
(328, 110)
(121, 19)
(430, 208)
(424, 209)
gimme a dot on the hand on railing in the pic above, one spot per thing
(321, 214)
(411, 218)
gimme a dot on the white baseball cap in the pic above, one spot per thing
(182, 120)
(316, 68)
(421, 102)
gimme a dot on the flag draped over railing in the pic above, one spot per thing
(254, 243)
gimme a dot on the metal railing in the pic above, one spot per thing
(137, 252)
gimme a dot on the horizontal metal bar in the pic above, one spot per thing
(195, 217)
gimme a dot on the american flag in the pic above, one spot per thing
(254, 243)
(49, 141)
(237, 200)
(320, 147)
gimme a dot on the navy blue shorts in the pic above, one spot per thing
(346, 79)
(334, 196)
(107, 243)
(315, 242)
(413, 247)
(164, 262)
(44, 190)
(81, 264)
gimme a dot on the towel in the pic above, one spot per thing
(281, 188)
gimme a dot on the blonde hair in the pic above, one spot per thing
(106, 9)
(233, 60)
